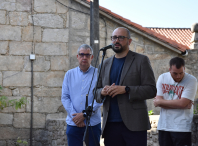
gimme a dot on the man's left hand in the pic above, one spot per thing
(114, 90)
(78, 118)
(189, 105)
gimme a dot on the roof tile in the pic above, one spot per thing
(180, 35)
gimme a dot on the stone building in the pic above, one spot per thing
(53, 30)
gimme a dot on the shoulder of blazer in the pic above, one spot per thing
(108, 59)
(131, 53)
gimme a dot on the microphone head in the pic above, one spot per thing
(107, 47)
(112, 45)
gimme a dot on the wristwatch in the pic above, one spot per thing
(84, 115)
(127, 89)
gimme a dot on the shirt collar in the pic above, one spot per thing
(87, 70)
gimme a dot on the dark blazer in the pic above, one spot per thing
(138, 75)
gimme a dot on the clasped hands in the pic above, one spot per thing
(113, 90)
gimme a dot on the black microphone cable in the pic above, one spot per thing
(104, 48)
(86, 103)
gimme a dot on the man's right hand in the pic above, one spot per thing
(81, 124)
(78, 119)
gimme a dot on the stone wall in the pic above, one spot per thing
(49, 40)
(53, 33)
(53, 134)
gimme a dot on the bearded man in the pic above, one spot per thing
(126, 82)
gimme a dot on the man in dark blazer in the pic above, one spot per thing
(126, 81)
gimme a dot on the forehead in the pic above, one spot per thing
(176, 70)
(119, 32)
(82, 50)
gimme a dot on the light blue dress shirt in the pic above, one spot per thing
(75, 86)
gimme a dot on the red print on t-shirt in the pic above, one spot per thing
(176, 89)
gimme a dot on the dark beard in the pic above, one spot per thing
(118, 50)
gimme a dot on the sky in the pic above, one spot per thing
(156, 13)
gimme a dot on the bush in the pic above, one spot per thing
(21, 142)
(150, 112)
(196, 109)
(18, 104)
(4, 102)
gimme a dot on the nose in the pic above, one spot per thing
(178, 76)
(117, 39)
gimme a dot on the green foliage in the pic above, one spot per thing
(4, 102)
(196, 110)
(18, 104)
(21, 142)
(150, 112)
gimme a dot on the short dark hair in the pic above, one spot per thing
(177, 61)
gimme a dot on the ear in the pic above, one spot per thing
(77, 56)
(130, 40)
(169, 69)
(92, 57)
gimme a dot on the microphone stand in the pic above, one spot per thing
(89, 109)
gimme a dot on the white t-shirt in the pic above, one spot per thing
(177, 120)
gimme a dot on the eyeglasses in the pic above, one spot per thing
(82, 55)
(120, 38)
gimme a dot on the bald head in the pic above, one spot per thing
(124, 30)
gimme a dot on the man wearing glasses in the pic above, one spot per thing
(75, 86)
(126, 81)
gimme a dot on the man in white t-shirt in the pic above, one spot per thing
(176, 91)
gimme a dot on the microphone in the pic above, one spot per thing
(107, 47)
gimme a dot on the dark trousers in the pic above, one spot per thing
(167, 138)
(117, 134)
(75, 135)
